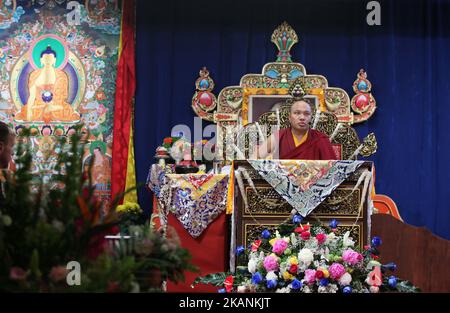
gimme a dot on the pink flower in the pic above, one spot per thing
(336, 270)
(279, 246)
(271, 263)
(310, 276)
(351, 257)
(57, 273)
(17, 273)
(321, 238)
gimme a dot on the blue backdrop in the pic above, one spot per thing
(406, 58)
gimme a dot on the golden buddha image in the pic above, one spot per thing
(48, 89)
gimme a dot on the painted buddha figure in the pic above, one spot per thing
(48, 92)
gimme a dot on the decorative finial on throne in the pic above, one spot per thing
(298, 89)
(284, 37)
(363, 103)
(204, 102)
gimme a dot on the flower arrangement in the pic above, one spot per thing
(44, 229)
(300, 258)
(130, 213)
(159, 255)
(169, 141)
(47, 228)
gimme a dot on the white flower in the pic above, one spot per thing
(347, 240)
(306, 256)
(271, 276)
(345, 279)
(330, 238)
(294, 240)
(283, 290)
(242, 289)
(252, 265)
(371, 264)
(331, 288)
(306, 289)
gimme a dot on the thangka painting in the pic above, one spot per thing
(58, 62)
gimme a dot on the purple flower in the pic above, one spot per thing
(240, 250)
(265, 234)
(390, 266)
(222, 290)
(376, 241)
(297, 219)
(296, 284)
(257, 278)
(271, 283)
(347, 289)
(324, 282)
(333, 224)
(392, 281)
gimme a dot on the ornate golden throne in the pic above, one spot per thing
(247, 114)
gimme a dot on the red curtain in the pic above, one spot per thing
(125, 88)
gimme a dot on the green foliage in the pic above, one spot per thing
(155, 250)
(45, 225)
(48, 224)
(215, 279)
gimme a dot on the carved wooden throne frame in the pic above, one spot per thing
(337, 111)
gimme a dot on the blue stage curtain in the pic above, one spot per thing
(406, 58)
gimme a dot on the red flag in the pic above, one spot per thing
(125, 88)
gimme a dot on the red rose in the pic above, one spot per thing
(321, 238)
(319, 274)
(302, 228)
(305, 235)
(229, 283)
(168, 140)
(256, 244)
(293, 269)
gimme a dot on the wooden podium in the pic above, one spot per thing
(270, 210)
(421, 257)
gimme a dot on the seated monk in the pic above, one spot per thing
(48, 92)
(297, 142)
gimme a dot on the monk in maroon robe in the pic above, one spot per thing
(297, 142)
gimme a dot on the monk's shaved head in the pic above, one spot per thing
(296, 103)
